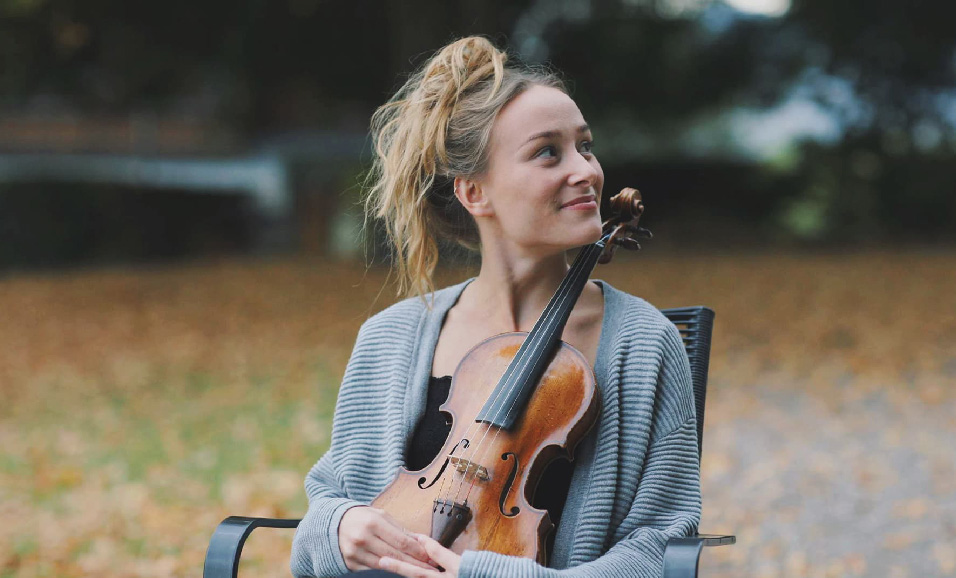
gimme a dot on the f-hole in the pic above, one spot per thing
(464, 444)
(507, 487)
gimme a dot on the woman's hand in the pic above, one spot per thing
(367, 534)
(439, 556)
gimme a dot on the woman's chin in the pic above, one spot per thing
(595, 232)
(588, 237)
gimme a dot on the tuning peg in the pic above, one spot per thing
(639, 232)
(608, 253)
(628, 243)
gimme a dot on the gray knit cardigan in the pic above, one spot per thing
(637, 476)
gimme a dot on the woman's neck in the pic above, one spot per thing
(516, 289)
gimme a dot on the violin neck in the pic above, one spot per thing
(508, 400)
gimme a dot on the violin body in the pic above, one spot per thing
(488, 474)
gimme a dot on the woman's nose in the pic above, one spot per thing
(583, 171)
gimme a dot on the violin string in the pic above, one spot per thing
(546, 328)
(556, 303)
(585, 272)
(508, 375)
(509, 372)
(510, 386)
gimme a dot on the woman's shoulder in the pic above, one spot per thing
(646, 337)
(636, 310)
(634, 321)
(413, 309)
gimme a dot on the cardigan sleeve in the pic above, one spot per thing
(667, 502)
(315, 547)
(367, 441)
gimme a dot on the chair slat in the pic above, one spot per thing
(696, 325)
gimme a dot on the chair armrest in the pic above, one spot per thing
(225, 546)
(681, 555)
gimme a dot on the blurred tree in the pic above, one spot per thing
(888, 71)
(896, 56)
(265, 65)
(655, 75)
(660, 59)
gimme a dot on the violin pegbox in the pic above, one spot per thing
(627, 208)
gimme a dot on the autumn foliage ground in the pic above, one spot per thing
(138, 407)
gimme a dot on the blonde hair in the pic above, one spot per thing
(435, 128)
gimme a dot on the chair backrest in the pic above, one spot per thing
(696, 325)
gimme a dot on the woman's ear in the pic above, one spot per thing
(472, 196)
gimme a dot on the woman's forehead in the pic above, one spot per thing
(538, 110)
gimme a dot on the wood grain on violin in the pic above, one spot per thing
(489, 469)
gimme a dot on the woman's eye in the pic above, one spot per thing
(547, 152)
(586, 147)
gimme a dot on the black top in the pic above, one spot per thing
(430, 435)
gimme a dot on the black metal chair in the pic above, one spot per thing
(696, 326)
(681, 555)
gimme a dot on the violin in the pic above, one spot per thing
(517, 401)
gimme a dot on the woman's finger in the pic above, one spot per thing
(366, 554)
(395, 536)
(382, 549)
(357, 557)
(441, 555)
(407, 570)
(363, 561)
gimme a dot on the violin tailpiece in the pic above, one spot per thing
(449, 520)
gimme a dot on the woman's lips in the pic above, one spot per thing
(581, 204)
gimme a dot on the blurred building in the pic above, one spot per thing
(80, 189)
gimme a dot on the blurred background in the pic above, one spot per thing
(183, 267)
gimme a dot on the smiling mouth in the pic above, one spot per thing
(581, 203)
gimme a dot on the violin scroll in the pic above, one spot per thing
(628, 206)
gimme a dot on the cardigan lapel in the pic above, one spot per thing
(595, 490)
(423, 353)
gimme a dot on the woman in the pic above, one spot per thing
(490, 154)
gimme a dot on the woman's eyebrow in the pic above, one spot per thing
(544, 134)
(554, 133)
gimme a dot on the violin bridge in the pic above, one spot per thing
(471, 468)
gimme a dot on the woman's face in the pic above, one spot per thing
(543, 184)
